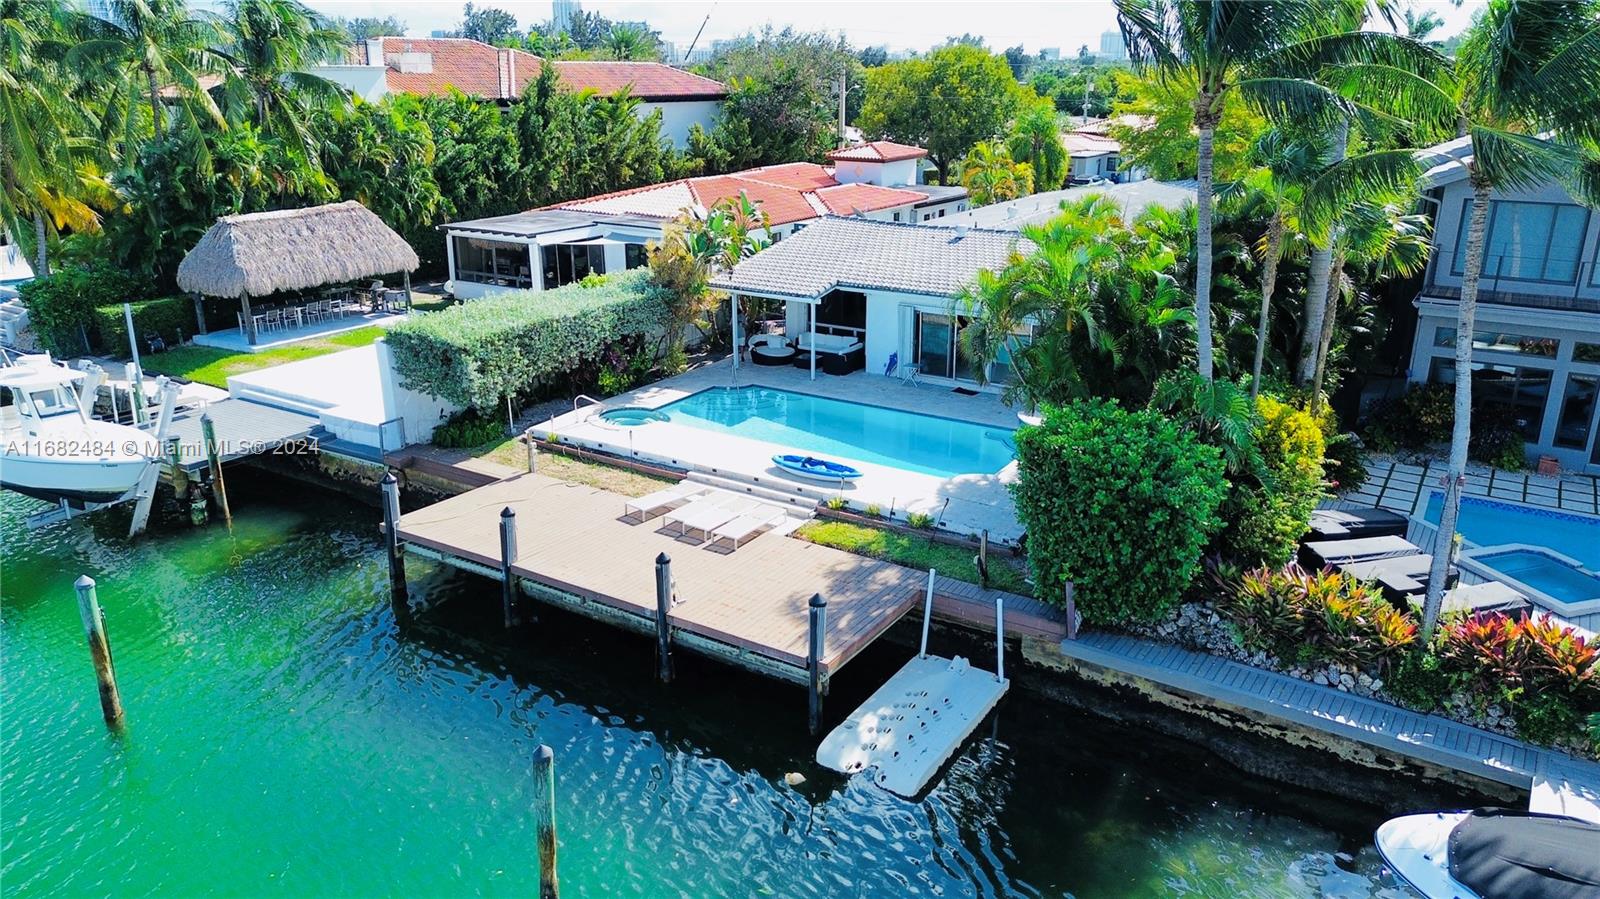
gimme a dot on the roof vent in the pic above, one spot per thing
(961, 231)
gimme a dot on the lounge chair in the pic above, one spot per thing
(1337, 553)
(1344, 524)
(662, 500)
(1492, 596)
(1401, 577)
(708, 513)
(748, 526)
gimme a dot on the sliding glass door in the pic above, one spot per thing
(937, 346)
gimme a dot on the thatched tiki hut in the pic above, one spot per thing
(264, 253)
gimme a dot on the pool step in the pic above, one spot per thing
(800, 504)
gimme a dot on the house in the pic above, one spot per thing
(1096, 155)
(544, 248)
(1036, 209)
(1536, 346)
(432, 66)
(883, 290)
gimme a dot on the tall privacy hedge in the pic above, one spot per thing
(482, 350)
(62, 306)
(1121, 503)
(170, 318)
(1267, 512)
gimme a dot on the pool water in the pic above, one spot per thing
(1548, 575)
(1486, 522)
(287, 737)
(828, 428)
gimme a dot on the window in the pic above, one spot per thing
(1527, 241)
(926, 216)
(941, 213)
(1513, 393)
(897, 216)
(568, 262)
(1500, 342)
(634, 255)
(1577, 411)
(1586, 352)
(492, 262)
(1001, 371)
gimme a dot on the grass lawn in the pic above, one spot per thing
(957, 562)
(514, 452)
(209, 365)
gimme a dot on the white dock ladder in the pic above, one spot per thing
(915, 722)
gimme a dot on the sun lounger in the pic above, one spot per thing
(1323, 553)
(661, 500)
(708, 513)
(1492, 596)
(747, 526)
(1343, 524)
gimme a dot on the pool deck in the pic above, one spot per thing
(1556, 781)
(965, 504)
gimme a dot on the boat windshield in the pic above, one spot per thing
(49, 402)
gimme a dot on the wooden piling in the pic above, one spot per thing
(818, 624)
(508, 554)
(105, 673)
(208, 431)
(983, 558)
(391, 541)
(533, 451)
(663, 625)
(544, 819)
(180, 477)
(1072, 613)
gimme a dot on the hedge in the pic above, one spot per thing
(170, 318)
(480, 351)
(62, 307)
(1267, 515)
(1119, 502)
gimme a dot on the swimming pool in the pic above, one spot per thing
(928, 444)
(1542, 571)
(1487, 522)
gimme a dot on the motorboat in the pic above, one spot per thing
(1491, 853)
(53, 449)
(812, 467)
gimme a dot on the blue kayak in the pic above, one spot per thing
(812, 467)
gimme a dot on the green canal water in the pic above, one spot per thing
(286, 737)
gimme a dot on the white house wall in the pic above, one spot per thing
(366, 82)
(883, 174)
(678, 116)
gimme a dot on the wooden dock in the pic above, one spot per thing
(574, 547)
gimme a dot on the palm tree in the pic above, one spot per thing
(1524, 87)
(630, 42)
(148, 46)
(269, 45)
(1036, 140)
(990, 174)
(1268, 51)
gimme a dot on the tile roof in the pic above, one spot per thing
(1088, 143)
(787, 193)
(480, 70)
(862, 254)
(878, 151)
(646, 80)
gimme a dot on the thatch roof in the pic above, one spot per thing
(293, 249)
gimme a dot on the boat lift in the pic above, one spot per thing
(913, 724)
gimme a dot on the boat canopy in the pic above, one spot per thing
(33, 377)
(1527, 855)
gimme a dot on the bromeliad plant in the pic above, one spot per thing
(1321, 615)
(1545, 673)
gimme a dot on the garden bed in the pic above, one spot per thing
(914, 549)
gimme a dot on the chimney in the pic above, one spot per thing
(374, 52)
(511, 74)
(502, 74)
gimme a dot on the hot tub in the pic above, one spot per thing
(1553, 580)
(632, 416)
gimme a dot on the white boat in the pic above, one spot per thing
(1493, 853)
(52, 449)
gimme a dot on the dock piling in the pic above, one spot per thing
(508, 554)
(1000, 638)
(533, 450)
(544, 817)
(818, 624)
(1072, 614)
(663, 626)
(105, 673)
(983, 558)
(391, 541)
(208, 430)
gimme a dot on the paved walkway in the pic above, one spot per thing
(1396, 485)
(1372, 722)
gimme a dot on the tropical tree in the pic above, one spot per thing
(269, 45)
(1036, 140)
(487, 24)
(945, 102)
(990, 175)
(145, 48)
(630, 42)
(1266, 51)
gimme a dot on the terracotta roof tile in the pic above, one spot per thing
(878, 151)
(783, 205)
(850, 199)
(798, 175)
(645, 80)
(479, 70)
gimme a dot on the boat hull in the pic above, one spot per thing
(88, 481)
(1416, 849)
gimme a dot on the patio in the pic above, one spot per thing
(966, 504)
(236, 340)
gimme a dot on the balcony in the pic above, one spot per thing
(1563, 285)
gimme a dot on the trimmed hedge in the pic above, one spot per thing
(170, 318)
(1267, 515)
(476, 353)
(62, 307)
(1119, 502)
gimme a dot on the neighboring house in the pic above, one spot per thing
(884, 288)
(544, 248)
(1036, 209)
(1096, 155)
(431, 66)
(1536, 350)
(14, 267)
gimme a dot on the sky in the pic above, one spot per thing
(897, 24)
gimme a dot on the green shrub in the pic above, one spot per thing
(920, 520)
(1119, 502)
(1316, 616)
(1416, 419)
(1343, 462)
(1419, 680)
(478, 352)
(1267, 511)
(468, 428)
(61, 307)
(1545, 673)
(874, 510)
(835, 502)
(169, 318)
(1496, 440)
